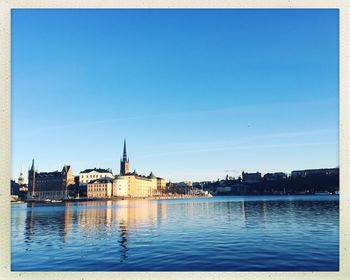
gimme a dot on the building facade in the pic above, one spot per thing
(251, 178)
(89, 175)
(50, 185)
(309, 172)
(277, 176)
(120, 186)
(100, 188)
(132, 184)
(161, 184)
(140, 186)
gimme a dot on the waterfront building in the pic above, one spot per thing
(76, 186)
(186, 184)
(161, 184)
(50, 185)
(92, 174)
(120, 186)
(140, 186)
(251, 177)
(14, 187)
(137, 185)
(100, 188)
(321, 171)
(277, 176)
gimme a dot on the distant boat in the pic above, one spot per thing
(323, 193)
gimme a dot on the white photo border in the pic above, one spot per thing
(5, 134)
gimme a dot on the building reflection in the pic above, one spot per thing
(93, 221)
(115, 220)
(29, 223)
(243, 212)
(68, 217)
(252, 211)
(123, 229)
(56, 222)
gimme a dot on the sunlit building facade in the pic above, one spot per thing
(50, 185)
(120, 186)
(161, 184)
(89, 175)
(100, 188)
(137, 185)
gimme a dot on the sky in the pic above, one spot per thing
(197, 94)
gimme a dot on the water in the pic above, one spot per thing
(237, 233)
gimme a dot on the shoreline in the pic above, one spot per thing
(115, 199)
(149, 198)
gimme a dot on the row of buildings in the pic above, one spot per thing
(298, 182)
(92, 183)
(101, 183)
(278, 176)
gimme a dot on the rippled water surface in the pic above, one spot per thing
(262, 233)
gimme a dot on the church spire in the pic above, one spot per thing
(32, 168)
(125, 156)
(124, 163)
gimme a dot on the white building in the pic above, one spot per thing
(89, 175)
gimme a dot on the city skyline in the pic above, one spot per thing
(123, 158)
(197, 94)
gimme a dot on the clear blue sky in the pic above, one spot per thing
(197, 93)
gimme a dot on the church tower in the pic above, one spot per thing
(124, 162)
(31, 180)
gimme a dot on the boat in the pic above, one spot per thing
(53, 201)
(323, 193)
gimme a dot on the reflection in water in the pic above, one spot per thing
(244, 217)
(230, 233)
(123, 241)
(29, 226)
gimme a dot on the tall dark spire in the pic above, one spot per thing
(124, 163)
(125, 156)
(32, 168)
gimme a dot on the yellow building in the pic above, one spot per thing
(100, 188)
(161, 184)
(140, 186)
(137, 185)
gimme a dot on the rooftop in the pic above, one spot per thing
(100, 170)
(102, 180)
(49, 174)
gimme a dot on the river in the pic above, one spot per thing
(227, 233)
